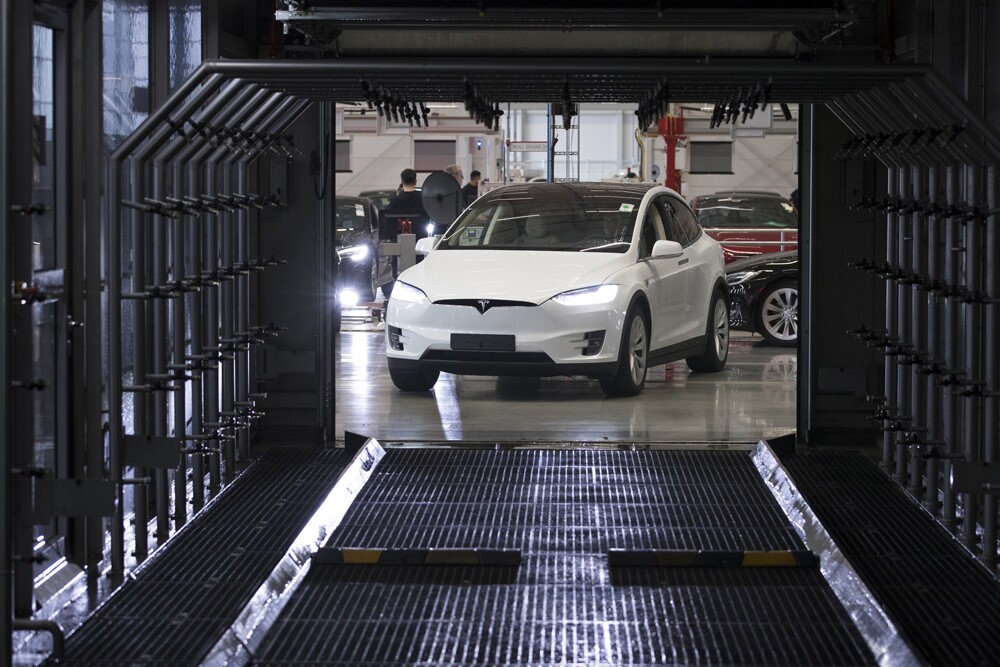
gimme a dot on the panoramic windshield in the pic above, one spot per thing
(548, 217)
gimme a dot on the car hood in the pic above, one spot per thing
(345, 239)
(517, 275)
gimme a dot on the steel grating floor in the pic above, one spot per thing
(563, 509)
(185, 597)
(942, 600)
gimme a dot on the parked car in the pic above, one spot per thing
(764, 296)
(748, 223)
(363, 270)
(540, 279)
(380, 197)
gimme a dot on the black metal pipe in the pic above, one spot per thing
(953, 443)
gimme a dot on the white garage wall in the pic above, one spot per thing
(607, 148)
(764, 163)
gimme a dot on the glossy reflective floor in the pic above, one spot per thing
(752, 398)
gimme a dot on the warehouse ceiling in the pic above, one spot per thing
(642, 52)
(483, 30)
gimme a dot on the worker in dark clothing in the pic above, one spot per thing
(410, 199)
(471, 189)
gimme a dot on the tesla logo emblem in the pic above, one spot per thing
(484, 305)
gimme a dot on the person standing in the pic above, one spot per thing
(409, 199)
(455, 171)
(471, 189)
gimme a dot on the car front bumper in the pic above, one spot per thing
(548, 339)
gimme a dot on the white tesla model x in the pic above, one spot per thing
(540, 279)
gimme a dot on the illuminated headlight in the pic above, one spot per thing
(430, 230)
(404, 292)
(588, 296)
(349, 298)
(355, 253)
(741, 277)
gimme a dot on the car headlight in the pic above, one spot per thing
(405, 292)
(349, 297)
(588, 296)
(741, 277)
(430, 229)
(356, 253)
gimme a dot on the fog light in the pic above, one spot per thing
(395, 333)
(349, 298)
(593, 342)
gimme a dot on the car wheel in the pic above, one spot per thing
(716, 352)
(778, 314)
(413, 380)
(371, 289)
(633, 356)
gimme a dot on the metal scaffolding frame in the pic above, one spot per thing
(179, 185)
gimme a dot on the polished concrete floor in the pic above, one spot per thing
(753, 398)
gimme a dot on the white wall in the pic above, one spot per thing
(607, 148)
(759, 163)
(379, 153)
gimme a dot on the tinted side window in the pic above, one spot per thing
(687, 222)
(652, 231)
(672, 213)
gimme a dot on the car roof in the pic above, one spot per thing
(745, 194)
(348, 199)
(637, 189)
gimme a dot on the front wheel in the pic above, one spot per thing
(413, 380)
(633, 356)
(778, 314)
(371, 289)
(716, 352)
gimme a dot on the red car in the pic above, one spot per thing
(748, 223)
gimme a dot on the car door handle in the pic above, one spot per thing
(684, 261)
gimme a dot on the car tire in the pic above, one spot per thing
(713, 359)
(412, 379)
(633, 356)
(778, 314)
(371, 288)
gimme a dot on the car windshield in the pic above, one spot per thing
(350, 217)
(548, 217)
(744, 213)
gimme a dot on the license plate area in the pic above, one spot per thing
(491, 342)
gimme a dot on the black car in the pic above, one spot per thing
(764, 296)
(380, 197)
(363, 269)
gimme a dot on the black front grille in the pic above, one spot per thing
(487, 356)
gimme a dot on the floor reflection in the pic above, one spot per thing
(752, 398)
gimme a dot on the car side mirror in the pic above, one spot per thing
(667, 249)
(425, 245)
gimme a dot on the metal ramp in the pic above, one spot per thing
(563, 510)
(944, 601)
(184, 598)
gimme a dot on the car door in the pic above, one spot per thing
(697, 281)
(661, 278)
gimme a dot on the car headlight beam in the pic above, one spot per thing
(355, 253)
(405, 292)
(588, 296)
